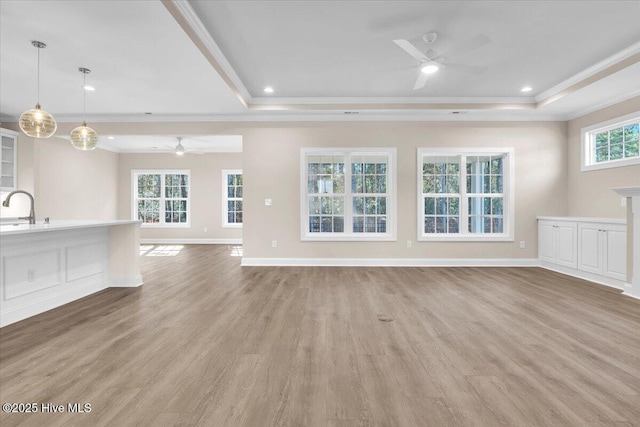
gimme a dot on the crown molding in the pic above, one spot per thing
(332, 116)
(462, 101)
(609, 102)
(604, 68)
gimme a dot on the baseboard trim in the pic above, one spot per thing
(600, 280)
(126, 282)
(389, 262)
(191, 241)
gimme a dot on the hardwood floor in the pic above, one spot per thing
(206, 342)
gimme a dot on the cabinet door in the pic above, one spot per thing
(567, 244)
(547, 241)
(8, 160)
(590, 248)
(615, 253)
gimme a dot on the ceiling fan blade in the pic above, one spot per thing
(469, 69)
(421, 80)
(469, 45)
(411, 49)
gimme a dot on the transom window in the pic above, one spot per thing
(465, 194)
(161, 197)
(612, 144)
(232, 190)
(348, 194)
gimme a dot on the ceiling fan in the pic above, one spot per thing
(430, 62)
(180, 150)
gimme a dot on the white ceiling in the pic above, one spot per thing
(346, 49)
(210, 60)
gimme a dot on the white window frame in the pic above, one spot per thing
(391, 195)
(587, 145)
(162, 172)
(508, 204)
(225, 198)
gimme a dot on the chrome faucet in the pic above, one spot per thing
(32, 213)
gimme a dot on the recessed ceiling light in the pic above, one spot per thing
(526, 89)
(88, 88)
(430, 68)
(111, 137)
(268, 89)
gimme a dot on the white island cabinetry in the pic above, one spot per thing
(590, 248)
(45, 266)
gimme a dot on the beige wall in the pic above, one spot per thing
(206, 192)
(25, 178)
(588, 192)
(66, 183)
(73, 184)
(272, 170)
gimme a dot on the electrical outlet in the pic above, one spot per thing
(409, 243)
(274, 243)
(522, 244)
(205, 229)
(31, 275)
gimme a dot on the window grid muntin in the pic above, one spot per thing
(349, 196)
(235, 191)
(625, 144)
(441, 178)
(369, 199)
(169, 210)
(464, 206)
(485, 192)
(326, 185)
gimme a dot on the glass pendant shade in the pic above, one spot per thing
(37, 123)
(84, 138)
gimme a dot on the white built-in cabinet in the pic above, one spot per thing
(602, 249)
(8, 160)
(557, 242)
(591, 248)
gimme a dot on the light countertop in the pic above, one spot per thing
(11, 229)
(584, 219)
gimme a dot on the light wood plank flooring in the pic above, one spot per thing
(206, 342)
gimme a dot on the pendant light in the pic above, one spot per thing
(36, 122)
(83, 137)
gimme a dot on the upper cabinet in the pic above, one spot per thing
(8, 160)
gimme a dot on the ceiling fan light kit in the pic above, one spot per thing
(83, 137)
(180, 148)
(37, 123)
(429, 68)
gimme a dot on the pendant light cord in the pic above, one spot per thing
(38, 75)
(84, 97)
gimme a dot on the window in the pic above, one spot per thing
(232, 198)
(611, 144)
(465, 194)
(161, 197)
(348, 194)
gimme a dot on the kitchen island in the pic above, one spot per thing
(47, 265)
